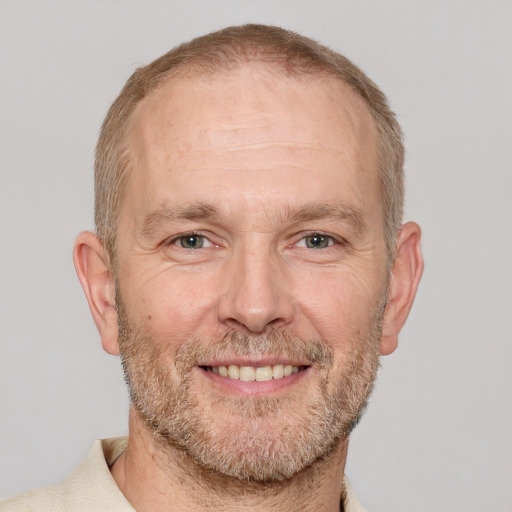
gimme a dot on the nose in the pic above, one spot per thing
(256, 293)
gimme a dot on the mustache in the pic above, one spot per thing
(274, 344)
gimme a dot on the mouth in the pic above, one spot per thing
(254, 373)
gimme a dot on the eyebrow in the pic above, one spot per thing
(303, 213)
(195, 211)
(342, 212)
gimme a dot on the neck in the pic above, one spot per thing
(156, 477)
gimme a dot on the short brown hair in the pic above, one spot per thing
(283, 50)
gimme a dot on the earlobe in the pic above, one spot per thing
(405, 278)
(93, 271)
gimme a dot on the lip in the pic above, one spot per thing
(260, 361)
(253, 388)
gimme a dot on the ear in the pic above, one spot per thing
(93, 270)
(405, 277)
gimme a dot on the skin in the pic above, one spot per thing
(276, 160)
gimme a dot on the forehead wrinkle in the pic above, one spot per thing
(256, 157)
(229, 147)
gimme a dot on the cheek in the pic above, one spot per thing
(340, 306)
(171, 305)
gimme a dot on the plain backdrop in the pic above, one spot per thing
(437, 435)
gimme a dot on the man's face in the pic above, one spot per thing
(251, 241)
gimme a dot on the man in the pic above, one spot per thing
(249, 267)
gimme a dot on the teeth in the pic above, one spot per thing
(247, 373)
(233, 371)
(263, 373)
(251, 373)
(278, 371)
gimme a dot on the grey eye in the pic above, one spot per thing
(318, 241)
(191, 241)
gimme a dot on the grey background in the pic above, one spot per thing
(437, 435)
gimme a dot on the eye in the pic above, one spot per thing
(316, 241)
(193, 241)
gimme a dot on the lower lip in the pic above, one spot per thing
(254, 388)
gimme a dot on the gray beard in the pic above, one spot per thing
(262, 439)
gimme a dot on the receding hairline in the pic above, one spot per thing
(271, 75)
(270, 47)
(138, 116)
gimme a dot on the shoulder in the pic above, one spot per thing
(47, 499)
(351, 503)
(89, 487)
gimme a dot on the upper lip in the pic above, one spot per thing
(260, 361)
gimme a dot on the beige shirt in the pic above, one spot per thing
(91, 488)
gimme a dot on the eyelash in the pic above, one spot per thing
(174, 240)
(332, 240)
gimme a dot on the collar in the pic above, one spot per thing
(94, 488)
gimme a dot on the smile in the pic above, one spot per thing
(254, 373)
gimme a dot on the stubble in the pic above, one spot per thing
(261, 439)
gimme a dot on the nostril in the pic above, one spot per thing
(255, 295)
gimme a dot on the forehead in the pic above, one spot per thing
(224, 102)
(247, 126)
